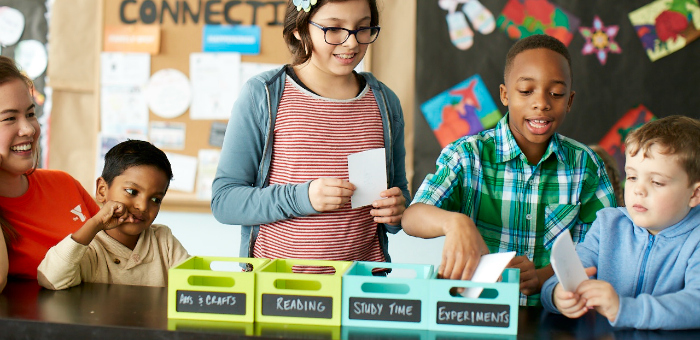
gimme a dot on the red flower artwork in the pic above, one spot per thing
(670, 24)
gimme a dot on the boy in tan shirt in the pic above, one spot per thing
(119, 244)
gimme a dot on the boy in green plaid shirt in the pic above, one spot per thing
(517, 186)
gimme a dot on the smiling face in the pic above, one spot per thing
(141, 189)
(338, 60)
(537, 92)
(19, 129)
(657, 191)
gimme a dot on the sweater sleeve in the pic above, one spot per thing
(235, 199)
(398, 151)
(588, 253)
(61, 266)
(678, 310)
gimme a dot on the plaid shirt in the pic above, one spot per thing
(515, 205)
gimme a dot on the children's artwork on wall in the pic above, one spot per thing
(480, 17)
(465, 109)
(666, 26)
(523, 18)
(614, 141)
(600, 40)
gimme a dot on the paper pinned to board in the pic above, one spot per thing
(367, 171)
(489, 270)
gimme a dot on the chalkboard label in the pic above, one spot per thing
(300, 306)
(385, 309)
(472, 314)
(210, 302)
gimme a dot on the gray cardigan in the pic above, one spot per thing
(241, 193)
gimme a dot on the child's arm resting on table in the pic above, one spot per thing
(61, 267)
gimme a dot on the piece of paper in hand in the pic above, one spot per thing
(490, 268)
(566, 263)
(367, 171)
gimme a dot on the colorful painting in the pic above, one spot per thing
(666, 26)
(600, 40)
(523, 18)
(465, 109)
(614, 141)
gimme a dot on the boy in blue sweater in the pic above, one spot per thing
(645, 257)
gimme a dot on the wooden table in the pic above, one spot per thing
(102, 311)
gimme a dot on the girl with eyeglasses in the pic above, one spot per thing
(283, 171)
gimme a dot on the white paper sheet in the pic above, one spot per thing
(489, 269)
(206, 171)
(215, 79)
(168, 135)
(11, 25)
(125, 68)
(367, 171)
(168, 93)
(184, 171)
(123, 110)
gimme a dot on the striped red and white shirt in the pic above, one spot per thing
(312, 138)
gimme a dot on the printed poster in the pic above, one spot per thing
(465, 109)
(666, 26)
(614, 141)
(523, 18)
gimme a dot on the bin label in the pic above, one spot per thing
(472, 314)
(301, 306)
(385, 309)
(210, 302)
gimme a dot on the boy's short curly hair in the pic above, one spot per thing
(677, 135)
(534, 42)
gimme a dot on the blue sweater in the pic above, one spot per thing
(656, 277)
(241, 193)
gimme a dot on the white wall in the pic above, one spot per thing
(202, 235)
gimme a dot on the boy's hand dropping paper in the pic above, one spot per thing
(367, 171)
(490, 268)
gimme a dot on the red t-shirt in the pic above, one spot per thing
(54, 206)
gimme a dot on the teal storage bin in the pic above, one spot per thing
(495, 311)
(399, 300)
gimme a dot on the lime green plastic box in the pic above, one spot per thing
(494, 311)
(198, 292)
(282, 296)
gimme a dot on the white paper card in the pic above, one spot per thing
(184, 171)
(489, 270)
(367, 171)
(566, 263)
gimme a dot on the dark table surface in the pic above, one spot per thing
(103, 311)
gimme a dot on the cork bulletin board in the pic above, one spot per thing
(181, 24)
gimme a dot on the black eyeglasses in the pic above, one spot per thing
(339, 35)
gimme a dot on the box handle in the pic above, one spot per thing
(211, 281)
(385, 288)
(297, 284)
